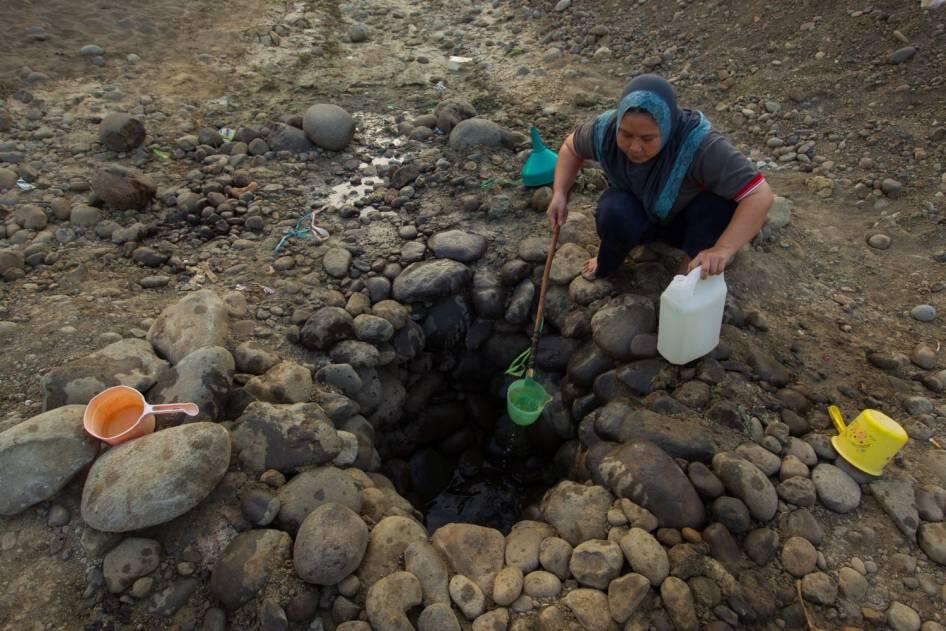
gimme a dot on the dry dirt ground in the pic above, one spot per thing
(828, 298)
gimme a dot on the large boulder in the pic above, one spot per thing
(427, 280)
(128, 362)
(285, 437)
(121, 132)
(330, 545)
(451, 112)
(619, 421)
(288, 138)
(312, 489)
(246, 565)
(39, 456)
(643, 472)
(328, 126)
(196, 321)
(458, 245)
(123, 188)
(327, 327)
(286, 382)
(155, 478)
(615, 326)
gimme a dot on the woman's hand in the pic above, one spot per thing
(558, 210)
(713, 260)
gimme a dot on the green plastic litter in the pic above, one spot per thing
(539, 169)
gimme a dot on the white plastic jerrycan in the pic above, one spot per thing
(691, 316)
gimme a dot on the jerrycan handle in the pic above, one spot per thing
(686, 284)
(835, 413)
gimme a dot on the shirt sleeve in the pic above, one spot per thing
(721, 168)
(583, 140)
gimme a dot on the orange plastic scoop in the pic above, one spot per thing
(120, 413)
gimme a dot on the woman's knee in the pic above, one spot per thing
(620, 213)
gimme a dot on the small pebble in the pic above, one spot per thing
(924, 313)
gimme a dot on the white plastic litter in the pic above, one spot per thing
(455, 64)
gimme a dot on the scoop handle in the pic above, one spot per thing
(537, 144)
(190, 409)
(835, 413)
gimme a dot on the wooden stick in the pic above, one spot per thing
(537, 328)
(801, 601)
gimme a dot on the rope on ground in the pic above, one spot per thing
(305, 228)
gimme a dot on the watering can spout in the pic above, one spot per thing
(537, 144)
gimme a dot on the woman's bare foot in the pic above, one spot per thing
(589, 269)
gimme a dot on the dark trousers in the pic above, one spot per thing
(623, 223)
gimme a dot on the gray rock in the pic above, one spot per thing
(204, 377)
(254, 359)
(488, 294)
(121, 132)
(679, 603)
(645, 555)
(476, 132)
(340, 376)
(129, 561)
(625, 594)
(836, 490)
(329, 126)
(336, 262)
(590, 608)
(438, 617)
(567, 263)
(852, 584)
(458, 245)
(372, 329)
(761, 545)
(285, 437)
(286, 382)
(451, 112)
(744, 480)
(767, 367)
(898, 499)
(879, 241)
(508, 585)
(819, 588)
(168, 601)
(467, 596)
(932, 540)
(30, 216)
(386, 545)
(428, 280)
(619, 421)
(198, 320)
(246, 565)
(542, 584)
(312, 489)
(390, 598)
(289, 138)
(761, 457)
(642, 472)
(123, 188)
(595, 563)
(799, 557)
(732, 513)
(902, 54)
(356, 354)
(155, 478)
(924, 313)
(330, 545)
(423, 561)
(615, 326)
(130, 362)
(327, 327)
(91, 50)
(260, 506)
(523, 542)
(900, 617)
(39, 456)
(10, 260)
(577, 512)
(473, 551)
(798, 491)
(520, 304)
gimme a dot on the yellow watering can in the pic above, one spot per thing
(870, 441)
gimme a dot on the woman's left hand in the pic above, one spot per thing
(713, 260)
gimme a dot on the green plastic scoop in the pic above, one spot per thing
(539, 169)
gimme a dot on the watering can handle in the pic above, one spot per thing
(835, 413)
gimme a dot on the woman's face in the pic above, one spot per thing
(639, 137)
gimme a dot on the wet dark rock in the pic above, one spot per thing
(327, 327)
(586, 364)
(767, 367)
(705, 481)
(732, 513)
(284, 437)
(428, 280)
(762, 545)
(614, 327)
(244, 568)
(723, 546)
(619, 421)
(488, 294)
(121, 132)
(446, 324)
(642, 472)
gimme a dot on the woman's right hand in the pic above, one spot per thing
(558, 210)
